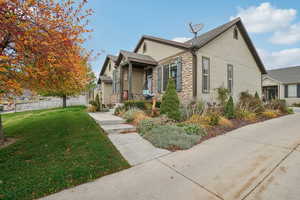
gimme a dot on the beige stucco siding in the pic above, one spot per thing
(157, 50)
(109, 70)
(106, 92)
(226, 50)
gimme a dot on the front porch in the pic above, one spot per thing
(136, 76)
(270, 92)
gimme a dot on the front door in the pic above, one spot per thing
(270, 92)
(149, 78)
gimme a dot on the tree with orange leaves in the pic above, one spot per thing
(41, 47)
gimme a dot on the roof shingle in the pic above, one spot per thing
(286, 75)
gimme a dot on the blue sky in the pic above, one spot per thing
(274, 26)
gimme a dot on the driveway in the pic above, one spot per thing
(259, 161)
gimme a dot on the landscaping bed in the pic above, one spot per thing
(55, 149)
(173, 125)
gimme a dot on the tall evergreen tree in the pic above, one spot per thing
(170, 102)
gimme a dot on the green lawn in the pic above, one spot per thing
(55, 149)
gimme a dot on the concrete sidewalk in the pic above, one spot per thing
(134, 148)
(259, 161)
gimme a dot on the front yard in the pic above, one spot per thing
(55, 149)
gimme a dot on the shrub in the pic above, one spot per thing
(296, 104)
(229, 109)
(193, 108)
(246, 115)
(93, 103)
(145, 125)
(222, 95)
(277, 104)
(98, 103)
(130, 114)
(248, 102)
(256, 95)
(199, 120)
(120, 110)
(192, 129)
(269, 113)
(138, 117)
(225, 122)
(92, 108)
(170, 102)
(290, 111)
(213, 118)
(170, 137)
(136, 104)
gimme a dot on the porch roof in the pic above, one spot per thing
(105, 79)
(135, 57)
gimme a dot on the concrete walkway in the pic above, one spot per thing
(259, 161)
(131, 145)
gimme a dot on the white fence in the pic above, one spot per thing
(52, 102)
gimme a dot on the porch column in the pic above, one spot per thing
(130, 96)
(121, 83)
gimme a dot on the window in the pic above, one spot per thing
(205, 74)
(109, 67)
(292, 90)
(144, 48)
(235, 34)
(230, 78)
(173, 72)
(165, 76)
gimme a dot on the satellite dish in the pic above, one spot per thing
(195, 28)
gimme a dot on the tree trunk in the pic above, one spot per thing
(64, 101)
(2, 138)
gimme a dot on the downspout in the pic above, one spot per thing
(194, 71)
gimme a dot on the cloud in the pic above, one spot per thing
(181, 39)
(283, 58)
(265, 18)
(290, 35)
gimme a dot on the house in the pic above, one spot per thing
(105, 79)
(224, 56)
(283, 83)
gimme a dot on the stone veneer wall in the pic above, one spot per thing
(186, 94)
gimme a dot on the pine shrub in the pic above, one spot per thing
(170, 102)
(229, 109)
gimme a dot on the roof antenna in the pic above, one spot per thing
(195, 28)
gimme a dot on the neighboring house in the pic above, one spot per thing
(224, 56)
(282, 83)
(105, 79)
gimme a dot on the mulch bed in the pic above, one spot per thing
(221, 130)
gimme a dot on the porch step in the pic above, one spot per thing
(107, 118)
(111, 122)
(118, 128)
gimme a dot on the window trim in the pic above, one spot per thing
(232, 69)
(208, 75)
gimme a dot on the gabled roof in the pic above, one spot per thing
(135, 57)
(162, 41)
(286, 75)
(108, 57)
(207, 37)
